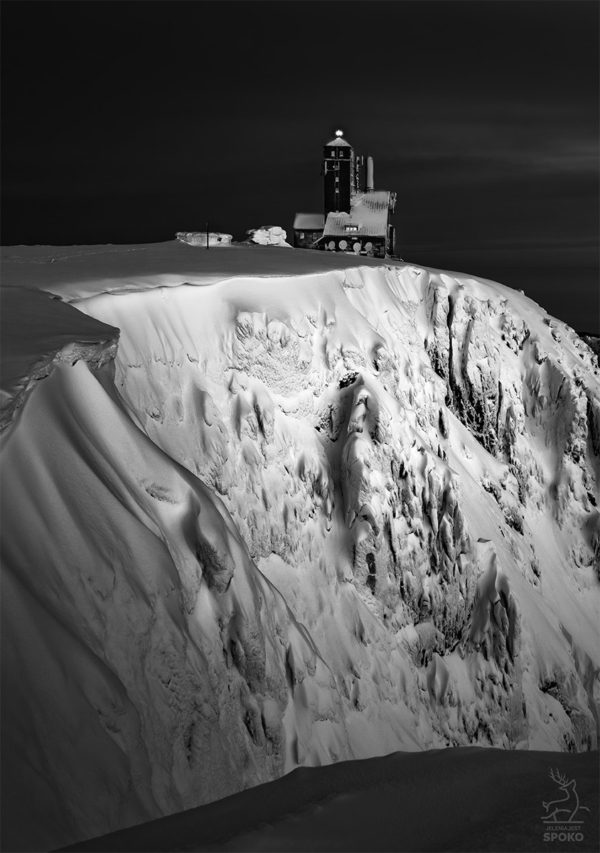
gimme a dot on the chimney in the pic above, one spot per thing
(370, 185)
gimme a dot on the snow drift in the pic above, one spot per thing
(277, 512)
(468, 799)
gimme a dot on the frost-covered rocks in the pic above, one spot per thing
(268, 235)
(199, 238)
(298, 518)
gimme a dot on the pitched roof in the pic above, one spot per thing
(338, 141)
(309, 221)
(368, 211)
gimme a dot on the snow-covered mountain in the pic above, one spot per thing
(266, 508)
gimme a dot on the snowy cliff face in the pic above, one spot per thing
(298, 519)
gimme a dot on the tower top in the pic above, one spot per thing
(339, 140)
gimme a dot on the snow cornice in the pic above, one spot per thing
(38, 332)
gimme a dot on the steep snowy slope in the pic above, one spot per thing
(307, 513)
(139, 676)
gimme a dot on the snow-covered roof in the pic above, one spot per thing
(368, 211)
(309, 221)
(339, 142)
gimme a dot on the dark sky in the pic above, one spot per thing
(129, 121)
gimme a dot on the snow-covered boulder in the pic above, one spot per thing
(268, 235)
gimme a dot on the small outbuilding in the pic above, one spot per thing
(308, 228)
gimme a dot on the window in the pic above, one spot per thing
(333, 153)
(351, 228)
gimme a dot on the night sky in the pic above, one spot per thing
(125, 122)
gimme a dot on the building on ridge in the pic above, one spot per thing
(308, 227)
(353, 219)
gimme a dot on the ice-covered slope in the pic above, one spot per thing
(309, 512)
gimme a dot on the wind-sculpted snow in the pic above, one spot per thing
(331, 431)
(147, 665)
(301, 518)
